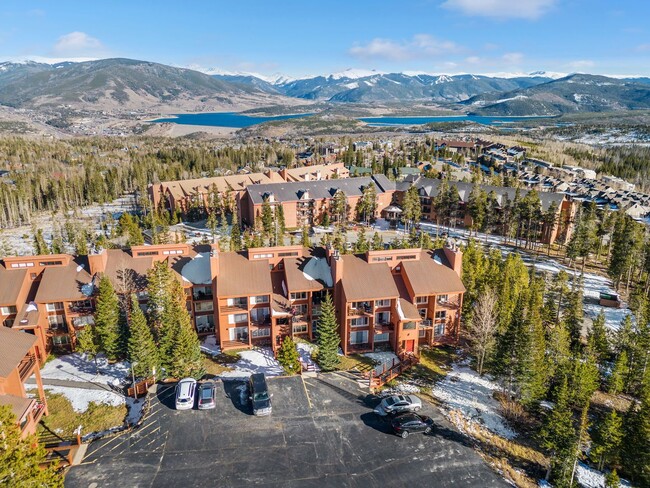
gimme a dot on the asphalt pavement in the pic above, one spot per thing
(322, 432)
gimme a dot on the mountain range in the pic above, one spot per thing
(126, 84)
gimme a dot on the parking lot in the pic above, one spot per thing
(322, 433)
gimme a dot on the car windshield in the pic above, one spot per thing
(206, 394)
(260, 397)
(391, 401)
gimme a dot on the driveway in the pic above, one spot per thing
(322, 433)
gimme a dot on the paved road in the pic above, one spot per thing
(322, 433)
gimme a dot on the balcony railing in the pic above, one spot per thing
(58, 328)
(426, 324)
(201, 295)
(296, 319)
(364, 310)
(382, 327)
(26, 365)
(451, 304)
(235, 307)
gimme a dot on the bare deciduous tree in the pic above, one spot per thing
(483, 327)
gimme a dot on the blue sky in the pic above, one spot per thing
(309, 37)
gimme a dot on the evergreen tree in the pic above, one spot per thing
(304, 239)
(598, 338)
(607, 438)
(267, 217)
(558, 435)
(367, 205)
(159, 280)
(340, 208)
(534, 383)
(107, 316)
(477, 207)
(362, 244)
(142, 350)
(612, 480)
(328, 339)
(636, 442)
(21, 459)
(235, 235)
(288, 356)
(377, 243)
(40, 246)
(282, 228)
(411, 209)
(574, 316)
(616, 382)
(88, 343)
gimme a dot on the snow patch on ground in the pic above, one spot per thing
(80, 367)
(210, 346)
(590, 478)
(305, 350)
(465, 391)
(136, 408)
(260, 360)
(80, 398)
(401, 389)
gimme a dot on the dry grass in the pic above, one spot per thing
(215, 366)
(603, 401)
(355, 361)
(516, 455)
(63, 420)
(513, 475)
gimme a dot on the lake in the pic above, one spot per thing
(224, 119)
(391, 121)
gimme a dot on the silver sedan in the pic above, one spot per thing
(398, 404)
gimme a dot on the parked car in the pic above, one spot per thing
(399, 404)
(408, 423)
(259, 396)
(185, 390)
(207, 395)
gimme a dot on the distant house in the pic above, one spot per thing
(404, 171)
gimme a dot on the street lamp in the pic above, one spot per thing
(135, 394)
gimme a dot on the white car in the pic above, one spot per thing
(398, 404)
(185, 390)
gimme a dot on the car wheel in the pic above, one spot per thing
(428, 430)
(417, 409)
(404, 434)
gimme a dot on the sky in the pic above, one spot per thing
(308, 37)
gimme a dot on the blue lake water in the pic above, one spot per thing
(391, 121)
(224, 119)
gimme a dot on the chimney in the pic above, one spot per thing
(455, 257)
(97, 262)
(283, 174)
(336, 264)
(214, 261)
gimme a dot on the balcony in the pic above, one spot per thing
(299, 319)
(236, 307)
(80, 307)
(261, 321)
(426, 324)
(26, 366)
(202, 295)
(38, 410)
(364, 309)
(453, 304)
(359, 347)
(383, 327)
(55, 329)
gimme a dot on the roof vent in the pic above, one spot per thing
(80, 267)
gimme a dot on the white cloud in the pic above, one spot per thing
(501, 9)
(581, 64)
(513, 58)
(419, 46)
(78, 44)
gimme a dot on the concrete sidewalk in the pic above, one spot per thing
(86, 385)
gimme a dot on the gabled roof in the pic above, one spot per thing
(318, 190)
(11, 281)
(432, 275)
(14, 345)
(239, 276)
(60, 283)
(310, 273)
(365, 281)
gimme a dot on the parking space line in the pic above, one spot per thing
(306, 392)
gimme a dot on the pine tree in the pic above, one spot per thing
(305, 240)
(235, 235)
(282, 228)
(328, 336)
(362, 245)
(88, 343)
(107, 316)
(142, 350)
(612, 480)
(607, 438)
(598, 338)
(636, 442)
(377, 243)
(40, 246)
(558, 434)
(158, 283)
(574, 315)
(267, 217)
(616, 382)
(288, 356)
(477, 207)
(534, 383)
(21, 459)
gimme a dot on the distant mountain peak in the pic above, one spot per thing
(354, 73)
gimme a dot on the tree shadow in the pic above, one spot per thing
(166, 395)
(381, 424)
(237, 390)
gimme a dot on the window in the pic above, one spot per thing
(173, 251)
(260, 299)
(422, 333)
(22, 265)
(203, 306)
(382, 337)
(360, 337)
(62, 340)
(409, 326)
(441, 315)
(407, 257)
(300, 329)
(443, 298)
(359, 322)
(287, 254)
(300, 309)
(382, 303)
(81, 305)
(261, 332)
(421, 300)
(50, 263)
(9, 322)
(8, 310)
(260, 314)
(301, 295)
(380, 259)
(83, 321)
(55, 320)
(382, 318)
(237, 317)
(263, 256)
(53, 307)
(148, 253)
(439, 329)
(423, 312)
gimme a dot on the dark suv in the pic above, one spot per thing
(407, 423)
(260, 396)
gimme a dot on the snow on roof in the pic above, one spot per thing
(318, 269)
(197, 271)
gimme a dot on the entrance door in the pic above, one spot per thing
(409, 346)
